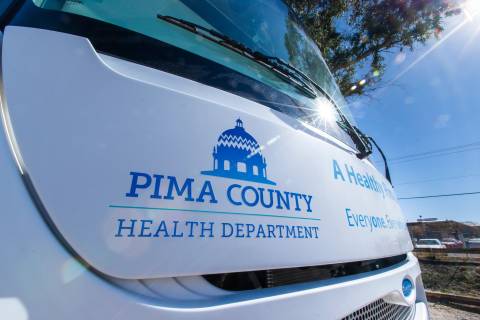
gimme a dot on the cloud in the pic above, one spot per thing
(400, 58)
(409, 100)
(442, 121)
(357, 108)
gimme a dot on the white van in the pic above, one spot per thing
(429, 244)
(187, 159)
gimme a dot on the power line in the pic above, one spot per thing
(414, 155)
(474, 146)
(434, 155)
(437, 179)
(441, 195)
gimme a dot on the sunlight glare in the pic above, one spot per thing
(325, 111)
(71, 269)
(471, 8)
(12, 308)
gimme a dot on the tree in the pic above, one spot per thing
(355, 35)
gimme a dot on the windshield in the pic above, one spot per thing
(265, 26)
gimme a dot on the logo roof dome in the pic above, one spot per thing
(238, 138)
(237, 156)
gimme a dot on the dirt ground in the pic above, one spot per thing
(453, 279)
(462, 280)
(442, 312)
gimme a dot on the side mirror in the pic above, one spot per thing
(387, 171)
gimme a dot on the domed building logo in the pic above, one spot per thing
(237, 156)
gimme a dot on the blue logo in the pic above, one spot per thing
(237, 156)
(407, 287)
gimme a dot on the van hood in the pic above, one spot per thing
(145, 174)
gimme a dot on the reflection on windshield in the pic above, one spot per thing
(253, 22)
(304, 56)
(266, 26)
(259, 25)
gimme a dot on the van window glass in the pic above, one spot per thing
(267, 26)
(4, 5)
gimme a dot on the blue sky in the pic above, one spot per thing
(434, 104)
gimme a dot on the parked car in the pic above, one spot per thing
(452, 243)
(473, 243)
(429, 244)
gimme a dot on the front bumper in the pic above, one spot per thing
(421, 311)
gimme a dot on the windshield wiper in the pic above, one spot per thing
(281, 68)
(361, 141)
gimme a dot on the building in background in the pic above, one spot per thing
(442, 230)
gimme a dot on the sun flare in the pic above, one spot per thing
(325, 113)
(471, 8)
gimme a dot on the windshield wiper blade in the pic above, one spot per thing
(281, 68)
(366, 141)
(361, 141)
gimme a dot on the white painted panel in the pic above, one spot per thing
(85, 122)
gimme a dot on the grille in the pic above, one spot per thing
(249, 280)
(381, 310)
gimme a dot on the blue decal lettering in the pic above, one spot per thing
(300, 232)
(136, 185)
(229, 194)
(245, 198)
(239, 230)
(280, 228)
(260, 230)
(308, 200)
(210, 229)
(369, 219)
(156, 190)
(144, 227)
(191, 224)
(162, 227)
(207, 190)
(374, 222)
(296, 196)
(316, 231)
(121, 227)
(285, 200)
(308, 232)
(271, 231)
(290, 231)
(175, 234)
(351, 174)
(361, 219)
(227, 226)
(337, 171)
(250, 230)
(360, 180)
(366, 182)
(187, 186)
(349, 216)
(262, 199)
